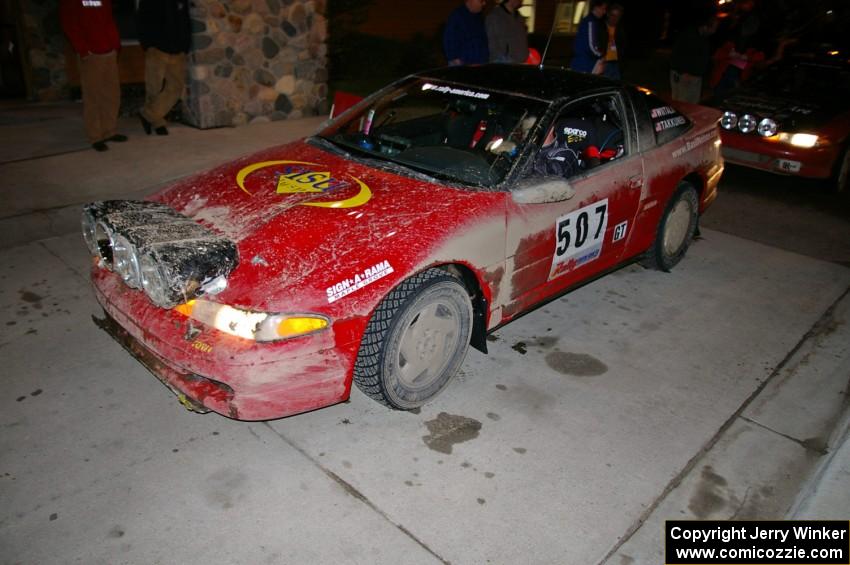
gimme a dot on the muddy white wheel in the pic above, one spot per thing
(675, 230)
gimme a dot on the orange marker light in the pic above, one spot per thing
(186, 309)
(298, 326)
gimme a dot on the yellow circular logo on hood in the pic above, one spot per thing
(300, 177)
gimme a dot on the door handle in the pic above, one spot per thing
(635, 181)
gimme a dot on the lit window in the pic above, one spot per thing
(527, 12)
(568, 15)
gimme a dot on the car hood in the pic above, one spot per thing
(305, 219)
(790, 114)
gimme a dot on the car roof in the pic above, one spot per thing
(548, 83)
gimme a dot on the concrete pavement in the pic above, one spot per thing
(54, 171)
(716, 391)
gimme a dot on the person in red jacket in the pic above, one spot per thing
(89, 26)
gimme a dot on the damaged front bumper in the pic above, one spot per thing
(209, 370)
(176, 381)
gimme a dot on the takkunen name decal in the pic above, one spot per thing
(300, 177)
(358, 281)
(669, 123)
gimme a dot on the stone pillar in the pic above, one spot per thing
(44, 50)
(256, 60)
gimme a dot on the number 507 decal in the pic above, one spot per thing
(578, 237)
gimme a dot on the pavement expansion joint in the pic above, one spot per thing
(68, 265)
(821, 326)
(355, 493)
(47, 156)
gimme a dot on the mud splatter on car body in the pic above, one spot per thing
(328, 233)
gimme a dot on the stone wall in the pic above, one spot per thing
(44, 49)
(256, 60)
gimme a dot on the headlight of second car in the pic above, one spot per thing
(767, 128)
(256, 326)
(729, 120)
(747, 123)
(805, 140)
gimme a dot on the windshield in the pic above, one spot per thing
(448, 131)
(809, 81)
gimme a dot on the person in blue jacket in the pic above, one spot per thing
(465, 37)
(591, 40)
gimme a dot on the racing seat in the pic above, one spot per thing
(469, 126)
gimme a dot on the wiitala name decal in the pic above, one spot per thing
(358, 281)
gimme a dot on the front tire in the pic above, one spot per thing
(675, 230)
(415, 341)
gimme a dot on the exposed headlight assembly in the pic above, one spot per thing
(152, 247)
(257, 326)
(729, 120)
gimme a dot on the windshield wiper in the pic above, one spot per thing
(367, 158)
(329, 145)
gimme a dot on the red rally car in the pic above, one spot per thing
(793, 118)
(410, 226)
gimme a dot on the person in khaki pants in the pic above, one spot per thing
(165, 34)
(89, 26)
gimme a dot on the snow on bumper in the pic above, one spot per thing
(234, 377)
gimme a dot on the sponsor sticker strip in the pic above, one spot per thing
(694, 143)
(455, 91)
(358, 281)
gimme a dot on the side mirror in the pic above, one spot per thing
(543, 190)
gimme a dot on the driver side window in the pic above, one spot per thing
(585, 135)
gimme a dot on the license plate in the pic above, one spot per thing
(788, 166)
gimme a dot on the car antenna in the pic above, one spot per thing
(548, 40)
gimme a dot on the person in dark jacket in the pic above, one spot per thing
(465, 37)
(591, 40)
(165, 34)
(690, 60)
(507, 36)
(89, 26)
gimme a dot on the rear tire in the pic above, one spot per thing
(675, 230)
(415, 341)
